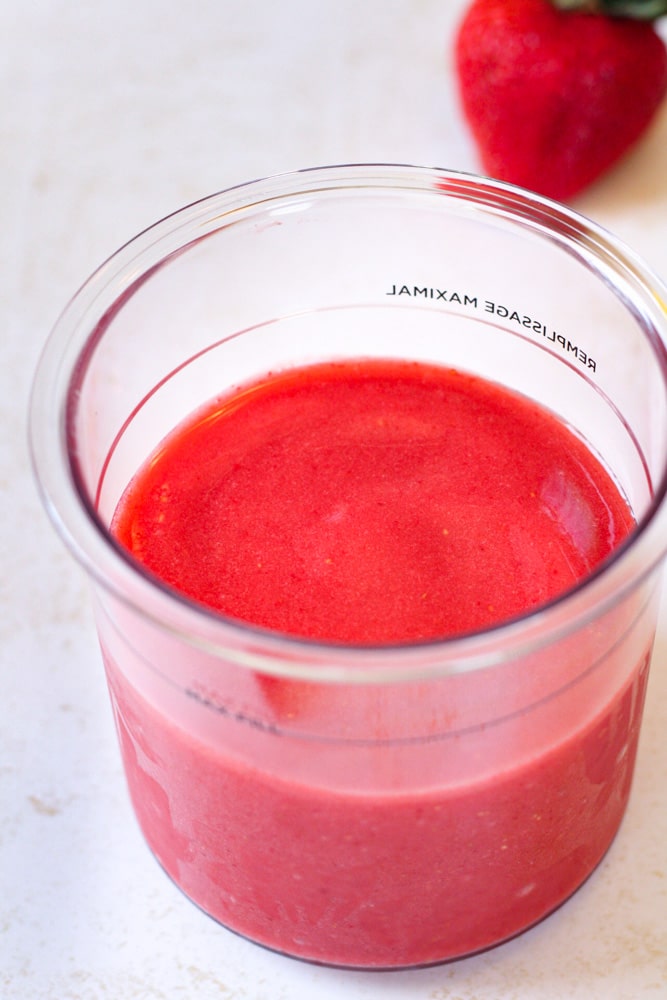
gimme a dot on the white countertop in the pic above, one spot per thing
(112, 116)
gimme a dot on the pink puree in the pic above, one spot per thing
(371, 502)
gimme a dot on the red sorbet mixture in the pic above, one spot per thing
(372, 502)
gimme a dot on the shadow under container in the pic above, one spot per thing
(367, 807)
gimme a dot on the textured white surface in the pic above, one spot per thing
(111, 116)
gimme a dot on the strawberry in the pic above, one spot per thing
(554, 97)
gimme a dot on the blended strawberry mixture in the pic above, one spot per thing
(371, 503)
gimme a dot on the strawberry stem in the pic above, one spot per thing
(641, 10)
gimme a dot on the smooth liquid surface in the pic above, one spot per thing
(372, 502)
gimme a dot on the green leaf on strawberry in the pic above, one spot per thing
(642, 10)
(555, 97)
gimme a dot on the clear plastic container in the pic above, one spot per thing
(367, 807)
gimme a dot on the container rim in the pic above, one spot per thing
(74, 518)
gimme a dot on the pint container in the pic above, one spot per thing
(395, 805)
